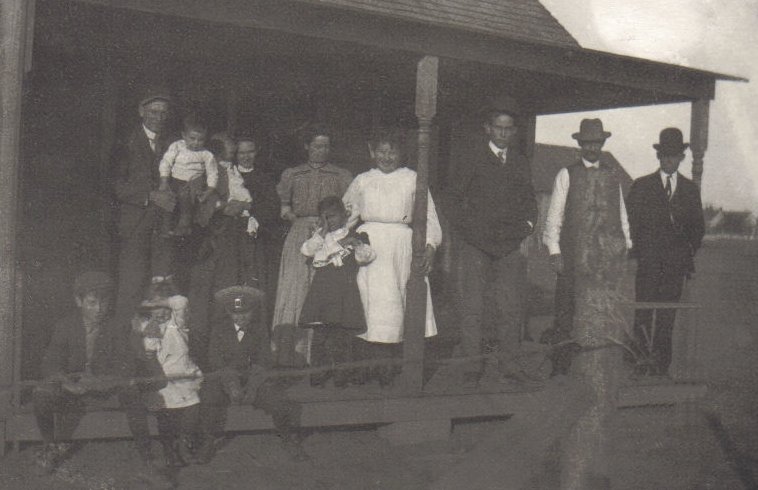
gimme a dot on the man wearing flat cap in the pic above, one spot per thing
(77, 362)
(238, 355)
(666, 218)
(589, 182)
(143, 252)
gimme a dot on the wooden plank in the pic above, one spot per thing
(593, 66)
(112, 424)
(660, 394)
(13, 30)
(515, 452)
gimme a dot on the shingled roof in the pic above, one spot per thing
(522, 20)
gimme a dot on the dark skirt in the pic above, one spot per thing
(333, 298)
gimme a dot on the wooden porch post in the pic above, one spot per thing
(13, 32)
(415, 313)
(699, 137)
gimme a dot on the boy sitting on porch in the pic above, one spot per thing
(182, 169)
(160, 333)
(238, 355)
(78, 368)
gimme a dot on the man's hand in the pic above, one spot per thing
(427, 262)
(556, 263)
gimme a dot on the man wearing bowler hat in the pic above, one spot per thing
(143, 252)
(238, 355)
(589, 181)
(666, 218)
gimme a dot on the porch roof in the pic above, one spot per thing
(549, 71)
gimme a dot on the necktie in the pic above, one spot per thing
(668, 187)
(501, 156)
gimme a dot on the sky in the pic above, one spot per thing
(714, 35)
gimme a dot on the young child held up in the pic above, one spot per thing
(191, 172)
(333, 307)
(159, 334)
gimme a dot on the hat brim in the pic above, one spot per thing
(596, 137)
(670, 150)
(153, 98)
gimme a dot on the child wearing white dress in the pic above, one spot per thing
(162, 329)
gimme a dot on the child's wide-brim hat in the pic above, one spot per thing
(239, 299)
(153, 303)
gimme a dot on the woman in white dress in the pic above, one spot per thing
(382, 199)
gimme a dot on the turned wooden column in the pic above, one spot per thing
(699, 137)
(415, 312)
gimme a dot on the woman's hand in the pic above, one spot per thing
(428, 259)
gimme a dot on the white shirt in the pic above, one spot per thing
(240, 332)
(151, 135)
(555, 214)
(498, 151)
(664, 175)
(184, 164)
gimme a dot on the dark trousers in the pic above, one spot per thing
(143, 254)
(331, 346)
(659, 281)
(506, 276)
(271, 397)
(177, 422)
(564, 304)
(58, 412)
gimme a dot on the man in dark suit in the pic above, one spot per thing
(143, 252)
(493, 208)
(667, 227)
(238, 355)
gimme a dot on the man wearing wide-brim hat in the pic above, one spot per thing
(588, 183)
(238, 356)
(666, 218)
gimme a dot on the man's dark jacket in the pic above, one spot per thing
(67, 351)
(490, 203)
(664, 230)
(225, 351)
(136, 174)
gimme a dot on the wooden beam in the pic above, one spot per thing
(699, 137)
(416, 298)
(13, 30)
(363, 29)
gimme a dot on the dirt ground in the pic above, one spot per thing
(711, 446)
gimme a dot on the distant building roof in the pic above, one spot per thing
(549, 159)
(523, 20)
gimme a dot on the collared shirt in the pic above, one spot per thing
(240, 332)
(500, 153)
(555, 214)
(664, 176)
(151, 136)
(92, 331)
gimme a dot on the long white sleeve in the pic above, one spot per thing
(313, 244)
(433, 228)
(167, 162)
(554, 221)
(625, 220)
